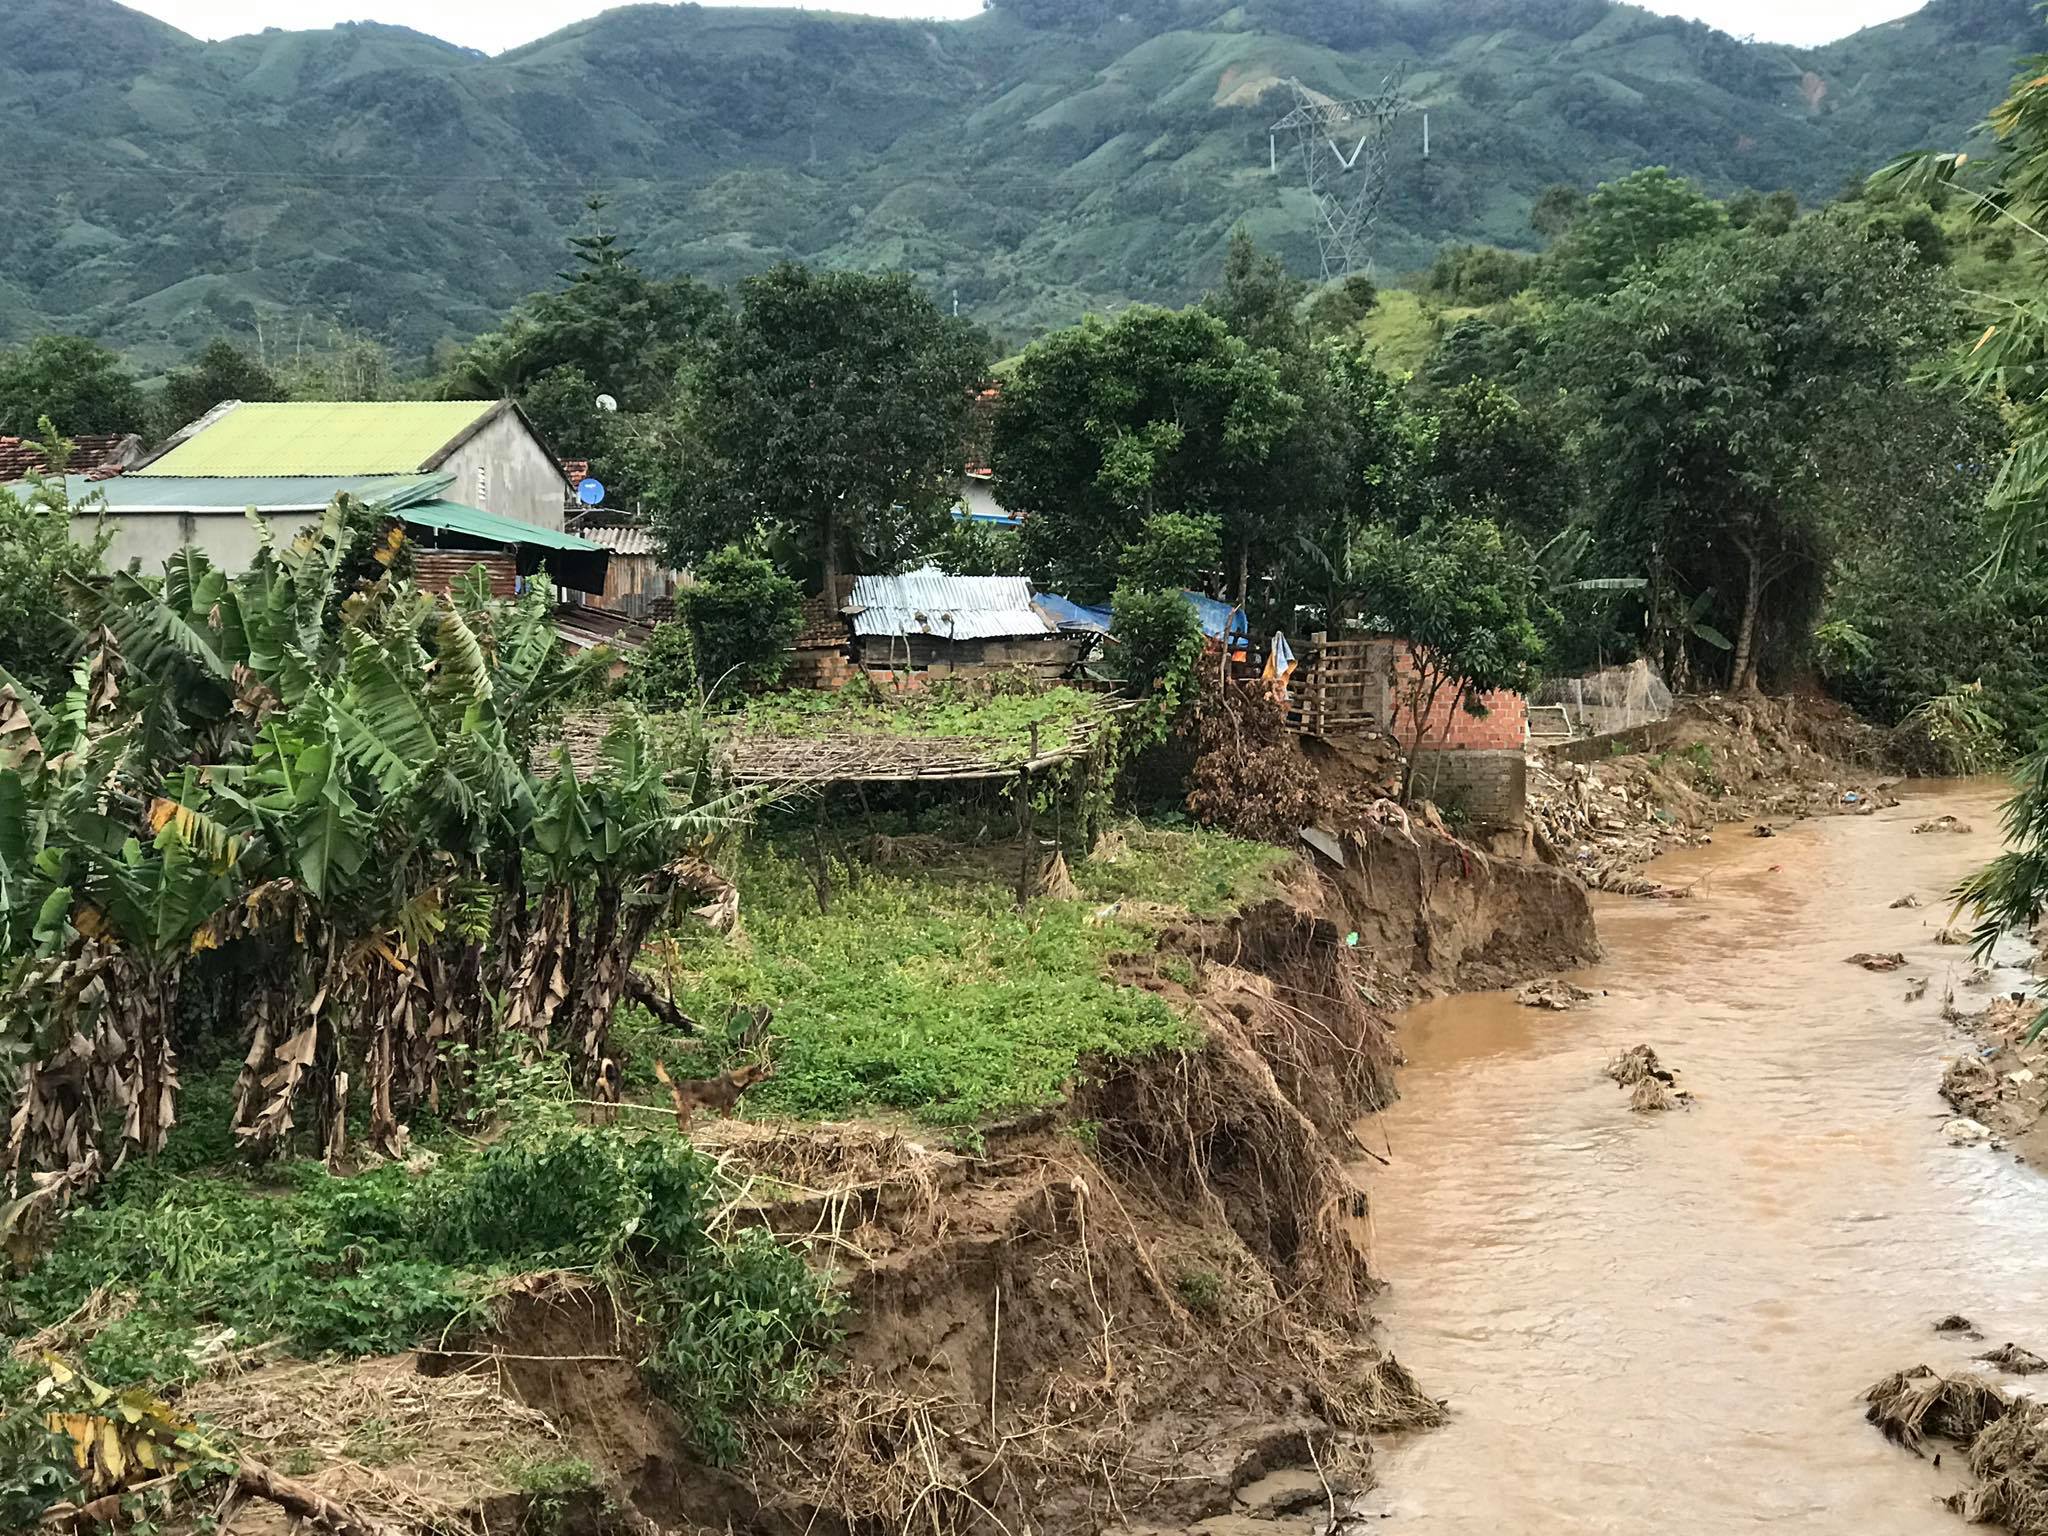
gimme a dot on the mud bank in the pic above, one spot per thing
(1145, 1310)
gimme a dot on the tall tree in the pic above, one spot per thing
(1105, 423)
(40, 558)
(610, 329)
(1626, 226)
(222, 372)
(77, 384)
(1712, 389)
(832, 416)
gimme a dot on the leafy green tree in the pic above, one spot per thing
(1464, 596)
(1387, 444)
(626, 332)
(968, 548)
(77, 384)
(1627, 225)
(833, 414)
(222, 372)
(1711, 389)
(1338, 307)
(1257, 298)
(40, 560)
(1172, 551)
(1105, 423)
(1769, 215)
(1557, 208)
(1496, 458)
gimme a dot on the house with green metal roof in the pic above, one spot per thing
(461, 474)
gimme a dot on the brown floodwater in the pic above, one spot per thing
(1664, 1323)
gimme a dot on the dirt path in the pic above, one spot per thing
(1665, 1322)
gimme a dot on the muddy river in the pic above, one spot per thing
(1666, 1322)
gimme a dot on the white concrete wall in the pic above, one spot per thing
(153, 537)
(520, 480)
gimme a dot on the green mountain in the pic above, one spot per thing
(1042, 158)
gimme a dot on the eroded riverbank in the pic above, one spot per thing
(1667, 1322)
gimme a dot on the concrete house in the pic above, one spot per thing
(467, 476)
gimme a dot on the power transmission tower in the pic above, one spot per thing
(1348, 185)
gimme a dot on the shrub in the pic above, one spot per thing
(1159, 643)
(664, 676)
(733, 628)
(742, 615)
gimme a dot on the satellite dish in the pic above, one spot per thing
(590, 492)
(607, 404)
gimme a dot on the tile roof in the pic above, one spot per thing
(94, 456)
(950, 607)
(323, 438)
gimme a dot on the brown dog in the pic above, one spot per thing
(721, 1093)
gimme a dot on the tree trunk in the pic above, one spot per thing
(1242, 582)
(1744, 678)
(835, 568)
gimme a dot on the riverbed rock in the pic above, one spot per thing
(1963, 1131)
(1873, 962)
(1907, 900)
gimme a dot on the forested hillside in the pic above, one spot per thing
(1044, 157)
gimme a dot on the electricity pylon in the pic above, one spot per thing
(1348, 186)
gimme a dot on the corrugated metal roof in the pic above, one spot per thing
(322, 438)
(952, 607)
(453, 517)
(141, 494)
(622, 539)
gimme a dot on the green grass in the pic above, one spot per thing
(924, 991)
(388, 1259)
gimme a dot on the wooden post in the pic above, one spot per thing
(1027, 862)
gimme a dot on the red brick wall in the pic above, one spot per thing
(1451, 726)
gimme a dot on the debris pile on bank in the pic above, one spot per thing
(1553, 993)
(1717, 761)
(2000, 1082)
(2005, 1437)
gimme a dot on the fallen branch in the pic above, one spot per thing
(304, 1501)
(641, 990)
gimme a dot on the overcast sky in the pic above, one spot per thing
(498, 24)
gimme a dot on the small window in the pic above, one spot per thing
(483, 487)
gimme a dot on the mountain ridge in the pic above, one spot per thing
(1039, 159)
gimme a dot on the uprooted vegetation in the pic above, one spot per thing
(2004, 1435)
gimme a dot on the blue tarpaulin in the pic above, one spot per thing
(1218, 616)
(1069, 615)
(1215, 615)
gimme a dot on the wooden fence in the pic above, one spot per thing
(1339, 687)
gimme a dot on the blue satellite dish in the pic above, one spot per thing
(591, 493)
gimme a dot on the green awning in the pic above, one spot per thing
(573, 562)
(493, 529)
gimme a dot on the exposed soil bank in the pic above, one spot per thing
(1146, 1310)
(1667, 1322)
